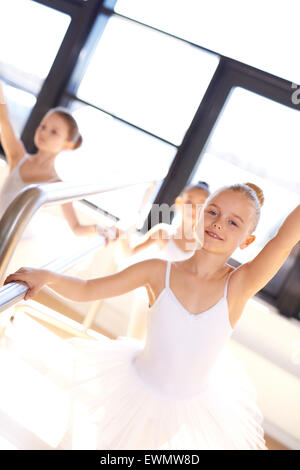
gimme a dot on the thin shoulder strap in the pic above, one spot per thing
(21, 161)
(226, 284)
(167, 279)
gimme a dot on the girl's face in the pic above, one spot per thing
(225, 222)
(52, 135)
(190, 204)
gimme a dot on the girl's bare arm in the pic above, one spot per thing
(80, 290)
(12, 146)
(258, 272)
(82, 230)
(74, 223)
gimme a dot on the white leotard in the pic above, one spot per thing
(187, 339)
(13, 185)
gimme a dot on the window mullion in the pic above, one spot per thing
(60, 73)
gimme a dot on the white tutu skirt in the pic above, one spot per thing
(111, 407)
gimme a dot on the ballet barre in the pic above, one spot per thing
(26, 204)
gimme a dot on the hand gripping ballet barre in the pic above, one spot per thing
(26, 204)
(12, 293)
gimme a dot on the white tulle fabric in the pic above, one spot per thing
(181, 389)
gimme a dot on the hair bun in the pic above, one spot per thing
(258, 191)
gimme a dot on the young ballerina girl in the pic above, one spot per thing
(178, 390)
(58, 131)
(173, 244)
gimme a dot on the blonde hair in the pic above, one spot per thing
(74, 134)
(253, 192)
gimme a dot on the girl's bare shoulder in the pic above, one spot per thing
(155, 265)
(154, 269)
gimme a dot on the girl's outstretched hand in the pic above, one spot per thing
(110, 233)
(35, 279)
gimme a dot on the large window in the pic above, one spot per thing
(256, 140)
(259, 33)
(147, 78)
(28, 49)
(28, 42)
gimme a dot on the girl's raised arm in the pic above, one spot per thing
(258, 272)
(12, 146)
(80, 290)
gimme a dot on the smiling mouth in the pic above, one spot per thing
(213, 235)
